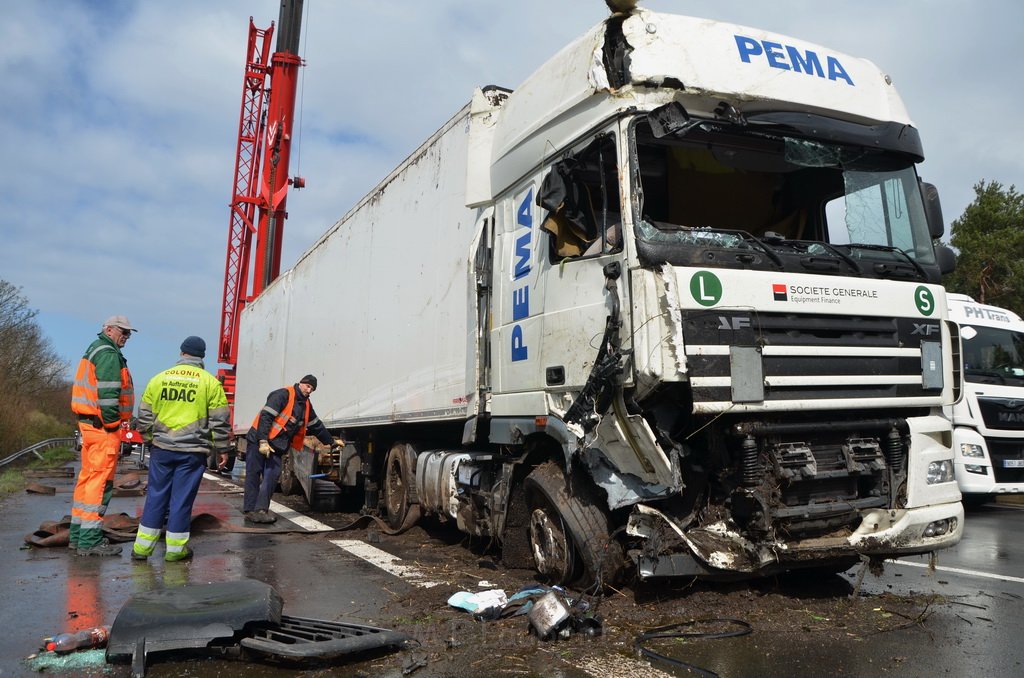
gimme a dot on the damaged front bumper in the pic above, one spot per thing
(720, 551)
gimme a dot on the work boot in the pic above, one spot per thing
(250, 516)
(139, 556)
(104, 548)
(175, 556)
(262, 517)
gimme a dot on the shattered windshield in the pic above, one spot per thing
(774, 201)
(993, 355)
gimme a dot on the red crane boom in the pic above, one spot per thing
(259, 197)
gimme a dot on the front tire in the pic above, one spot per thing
(569, 533)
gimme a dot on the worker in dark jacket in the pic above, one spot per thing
(282, 424)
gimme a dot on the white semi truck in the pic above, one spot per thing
(988, 422)
(671, 306)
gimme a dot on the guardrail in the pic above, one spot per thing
(39, 447)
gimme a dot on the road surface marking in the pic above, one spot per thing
(303, 521)
(384, 560)
(360, 549)
(227, 485)
(958, 570)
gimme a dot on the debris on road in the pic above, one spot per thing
(483, 605)
(551, 613)
(233, 620)
(117, 527)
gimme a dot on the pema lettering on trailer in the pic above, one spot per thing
(520, 268)
(790, 58)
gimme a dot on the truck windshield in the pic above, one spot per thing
(993, 356)
(755, 198)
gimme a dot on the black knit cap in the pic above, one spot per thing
(309, 379)
(194, 346)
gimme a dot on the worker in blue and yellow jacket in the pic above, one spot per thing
(184, 415)
(103, 397)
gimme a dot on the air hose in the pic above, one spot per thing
(670, 631)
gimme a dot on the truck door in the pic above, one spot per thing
(555, 234)
(581, 233)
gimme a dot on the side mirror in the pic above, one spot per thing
(668, 119)
(933, 210)
(945, 257)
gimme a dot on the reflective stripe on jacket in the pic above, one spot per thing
(184, 409)
(103, 385)
(283, 420)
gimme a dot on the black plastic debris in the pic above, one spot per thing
(235, 620)
(314, 639)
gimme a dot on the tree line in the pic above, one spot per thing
(34, 381)
(989, 239)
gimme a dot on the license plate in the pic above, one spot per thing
(1013, 463)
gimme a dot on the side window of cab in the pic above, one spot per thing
(581, 195)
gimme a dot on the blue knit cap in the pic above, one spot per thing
(194, 346)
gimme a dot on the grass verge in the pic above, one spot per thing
(12, 479)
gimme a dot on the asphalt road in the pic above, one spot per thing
(340, 576)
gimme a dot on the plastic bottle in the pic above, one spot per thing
(69, 642)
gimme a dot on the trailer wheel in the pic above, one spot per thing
(401, 504)
(569, 533)
(288, 482)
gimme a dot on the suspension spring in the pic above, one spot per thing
(893, 444)
(753, 472)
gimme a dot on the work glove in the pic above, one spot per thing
(265, 448)
(337, 444)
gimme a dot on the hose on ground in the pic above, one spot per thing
(670, 631)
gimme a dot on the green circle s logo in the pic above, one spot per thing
(924, 300)
(706, 288)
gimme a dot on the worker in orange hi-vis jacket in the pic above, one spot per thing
(102, 397)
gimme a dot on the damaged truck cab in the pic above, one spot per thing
(725, 286)
(702, 331)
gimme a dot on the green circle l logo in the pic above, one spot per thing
(924, 300)
(706, 288)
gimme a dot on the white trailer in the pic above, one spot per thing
(988, 422)
(671, 306)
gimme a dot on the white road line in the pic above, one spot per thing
(223, 483)
(360, 549)
(384, 560)
(958, 570)
(305, 522)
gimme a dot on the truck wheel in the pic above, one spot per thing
(288, 482)
(399, 487)
(568, 531)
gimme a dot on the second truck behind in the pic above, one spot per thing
(988, 422)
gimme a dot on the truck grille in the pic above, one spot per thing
(1002, 414)
(1001, 452)
(811, 357)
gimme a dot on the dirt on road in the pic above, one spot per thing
(796, 622)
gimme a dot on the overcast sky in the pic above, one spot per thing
(119, 121)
